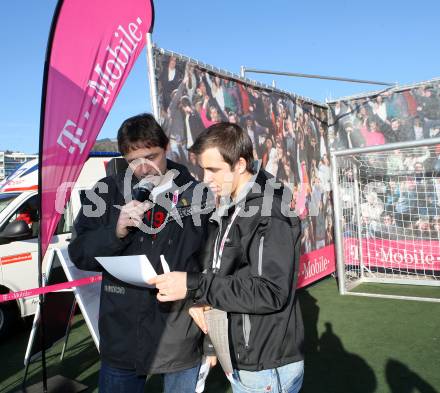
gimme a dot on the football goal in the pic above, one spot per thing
(387, 219)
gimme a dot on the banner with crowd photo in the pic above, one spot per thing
(390, 116)
(289, 135)
(402, 188)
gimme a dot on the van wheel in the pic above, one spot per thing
(8, 319)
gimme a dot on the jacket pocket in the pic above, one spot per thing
(246, 323)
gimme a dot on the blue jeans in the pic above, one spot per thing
(117, 380)
(285, 379)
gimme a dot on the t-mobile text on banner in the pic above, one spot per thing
(93, 48)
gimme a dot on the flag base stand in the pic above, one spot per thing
(55, 384)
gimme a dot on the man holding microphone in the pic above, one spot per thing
(140, 336)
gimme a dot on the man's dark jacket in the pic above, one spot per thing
(136, 331)
(257, 278)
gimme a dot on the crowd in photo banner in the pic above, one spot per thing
(289, 135)
(388, 117)
(395, 204)
(401, 188)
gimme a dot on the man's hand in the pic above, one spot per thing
(198, 314)
(171, 286)
(131, 215)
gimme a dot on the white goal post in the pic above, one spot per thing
(387, 217)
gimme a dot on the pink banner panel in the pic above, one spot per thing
(95, 45)
(316, 265)
(394, 254)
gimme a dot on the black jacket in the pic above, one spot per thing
(256, 281)
(136, 331)
(195, 125)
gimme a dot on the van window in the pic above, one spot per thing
(6, 199)
(28, 212)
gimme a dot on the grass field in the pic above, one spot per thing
(353, 345)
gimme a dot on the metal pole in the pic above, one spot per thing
(337, 226)
(388, 146)
(40, 190)
(69, 326)
(313, 76)
(358, 218)
(397, 88)
(152, 76)
(242, 72)
(26, 370)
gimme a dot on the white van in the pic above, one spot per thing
(19, 231)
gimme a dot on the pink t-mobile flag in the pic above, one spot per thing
(94, 46)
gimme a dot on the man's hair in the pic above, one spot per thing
(230, 140)
(141, 131)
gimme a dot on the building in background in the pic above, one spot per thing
(9, 162)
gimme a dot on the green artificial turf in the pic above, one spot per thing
(362, 344)
(422, 291)
(353, 344)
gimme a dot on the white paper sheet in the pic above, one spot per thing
(165, 266)
(133, 269)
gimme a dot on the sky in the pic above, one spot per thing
(392, 41)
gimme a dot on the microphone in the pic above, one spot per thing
(143, 190)
(145, 187)
(141, 193)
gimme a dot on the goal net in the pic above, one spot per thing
(387, 210)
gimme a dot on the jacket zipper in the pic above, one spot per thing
(246, 321)
(260, 256)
